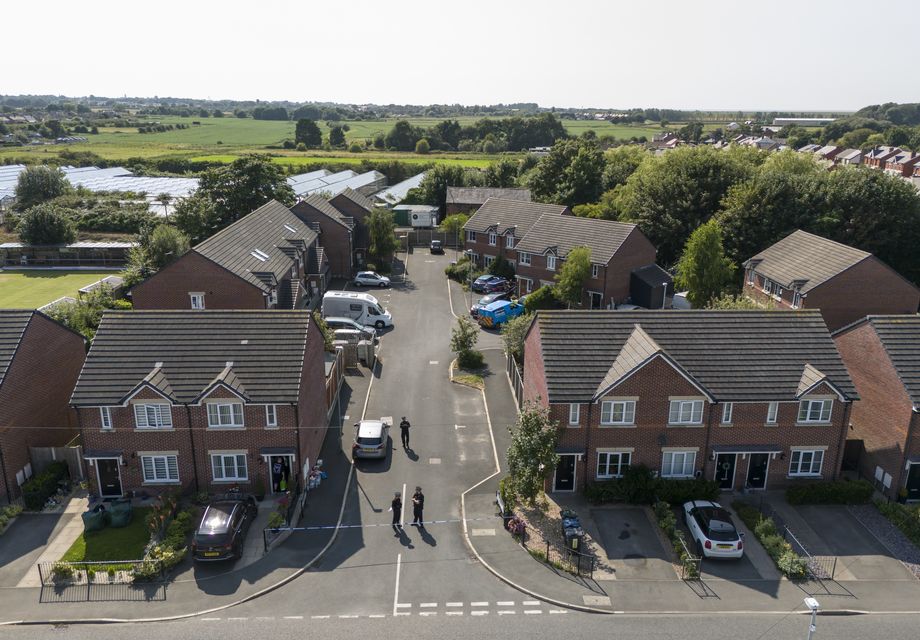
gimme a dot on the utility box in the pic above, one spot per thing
(417, 216)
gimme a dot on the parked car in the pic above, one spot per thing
(368, 333)
(371, 279)
(371, 439)
(437, 247)
(223, 527)
(712, 529)
(489, 284)
(486, 300)
(498, 313)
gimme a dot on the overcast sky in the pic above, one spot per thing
(706, 54)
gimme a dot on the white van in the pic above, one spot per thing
(361, 307)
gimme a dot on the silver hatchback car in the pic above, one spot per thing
(371, 439)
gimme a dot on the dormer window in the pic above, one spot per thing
(225, 415)
(493, 239)
(550, 263)
(153, 416)
(509, 241)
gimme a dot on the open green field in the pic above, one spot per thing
(227, 138)
(33, 288)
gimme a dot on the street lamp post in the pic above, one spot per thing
(469, 254)
(812, 604)
(664, 294)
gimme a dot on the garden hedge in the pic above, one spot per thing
(639, 486)
(35, 492)
(830, 492)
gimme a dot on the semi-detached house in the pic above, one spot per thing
(747, 398)
(201, 400)
(269, 259)
(805, 271)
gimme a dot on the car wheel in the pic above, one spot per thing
(382, 285)
(379, 324)
(357, 283)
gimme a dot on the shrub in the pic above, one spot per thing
(680, 491)
(46, 224)
(906, 518)
(301, 146)
(470, 359)
(62, 571)
(276, 520)
(638, 486)
(830, 492)
(354, 147)
(792, 565)
(422, 146)
(506, 491)
(786, 560)
(146, 571)
(12, 511)
(36, 491)
(765, 528)
(3, 520)
(460, 271)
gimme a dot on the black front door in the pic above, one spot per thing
(913, 482)
(109, 477)
(725, 470)
(596, 299)
(565, 474)
(757, 470)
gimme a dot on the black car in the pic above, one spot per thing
(223, 527)
(437, 247)
(486, 300)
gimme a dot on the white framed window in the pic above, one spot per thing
(271, 415)
(160, 468)
(750, 277)
(153, 416)
(805, 462)
(229, 414)
(489, 260)
(229, 466)
(509, 241)
(618, 412)
(772, 412)
(815, 410)
(612, 464)
(524, 258)
(727, 409)
(595, 270)
(686, 412)
(796, 300)
(471, 236)
(678, 464)
(551, 263)
(493, 239)
(197, 301)
(767, 285)
(574, 414)
(105, 417)
(527, 284)
(777, 291)
(273, 297)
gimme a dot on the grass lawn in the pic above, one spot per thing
(34, 288)
(112, 544)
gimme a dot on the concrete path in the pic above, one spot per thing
(59, 544)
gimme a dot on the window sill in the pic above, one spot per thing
(677, 477)
(771, 424)
(726, 424)
(573, 426)
(813, 424)
(153, 430)
(230, 481)
(153, 483)
(617, 425)
(603, 478)
(272, 428)
(240, 428)
(806, 476)
(695, 425)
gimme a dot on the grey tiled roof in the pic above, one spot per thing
(193, 349)
(807, 258)
(502, 215)
(734, 355)
(266, 230)
(359, 199)
(900, 335)
(13, 323)
(564, 233)
(478, 195)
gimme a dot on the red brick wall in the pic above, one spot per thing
(35, 395)
(170, 288)
(335, 239)
(868, 288)
(636, 251)
(535, 389)
(882, 416)
(313, 404)
(361, 239)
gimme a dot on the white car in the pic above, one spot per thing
(371, 438)
(371, 279)
(712, 530)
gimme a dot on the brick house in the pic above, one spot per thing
(498, 225)
(468, 199)
(356, 206)
(336, 232)
(201, 400)
(902, 164)
(805, 271)
(882, 354)
(268, 259)
(747, 398)
(40, 360)
(876, 157)
(617, 249)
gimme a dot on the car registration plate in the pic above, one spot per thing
(211, 554)
(724, 546)
(369, 450)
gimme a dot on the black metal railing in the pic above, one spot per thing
(578, 563)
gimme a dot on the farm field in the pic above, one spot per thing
(33, 288)
(294, 159)
(229, 137)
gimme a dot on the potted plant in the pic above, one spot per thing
(275, 521)
(259, 489)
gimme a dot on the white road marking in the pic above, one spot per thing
(479, 613)
(428, 613)
(432, 362)
(345, 417)
(454, 604)
(348, 617)
(558, 611)
(530, 603)
(210, 619)
(505, 603)
(320, 617)
(403, 613)
(402, 507)
(403, 605)
(434, 461)
(455, 613)
(483, 532)
(479, 604)
(377, 615)
(532, 611)
(506, 613)
(398, 567)
(293, 617)
(237, 619)
(459, 426)
(264, 618)
(428, 604)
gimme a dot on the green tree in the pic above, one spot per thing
(570, 279)
(39, 184)
(403, 136)
(46, 224)
(738, 303)
(463, 336)
(382, 229)
(532, 452)
(306, 131)
(571, 174)
(165, 245)
(502, 174)
(673, 194)
(380, 141)
(621, 162)
(542, 298)
(196, 216)
(792, 162)
(85, 314)
(422, 147)
(502, 267)
(337, 136)
(433, 188)
(703, 270)
(513, 334)
(164, 199)
(605, 208)
(328, 333)
(452, 225)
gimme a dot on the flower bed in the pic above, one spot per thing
(7, 516)
(667, 521)
(904, 517)
(787, 561)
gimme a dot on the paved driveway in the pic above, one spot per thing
(735, 569)
(632, 544)
(24, 542)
